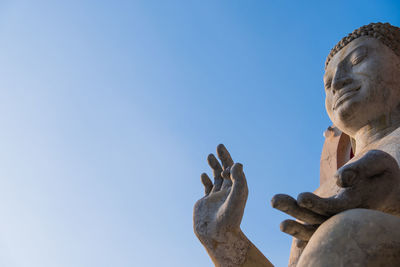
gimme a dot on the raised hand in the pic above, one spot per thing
(371, 182)
(217, 216)
(220, 211)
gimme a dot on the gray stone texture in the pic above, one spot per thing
(352, 219)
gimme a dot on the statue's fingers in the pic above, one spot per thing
(208, 185)
(329, 206)
(226, 174)
(237, 197)
(216, 169)
(224, 156)
(289, 205)
(372, 164)
(346, 178)
(298, 230)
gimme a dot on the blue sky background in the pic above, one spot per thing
(110, 108)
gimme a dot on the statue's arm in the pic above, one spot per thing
(236, 251)
(217, 216)
(255, 258)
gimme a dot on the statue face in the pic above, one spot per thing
(362, 83)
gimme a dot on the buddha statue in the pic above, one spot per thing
(353, 218)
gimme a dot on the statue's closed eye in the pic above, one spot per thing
(357, 59)
(358, 55)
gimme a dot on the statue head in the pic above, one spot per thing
(362, 78)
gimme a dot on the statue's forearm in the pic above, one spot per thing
(236, 250)
(255, 258)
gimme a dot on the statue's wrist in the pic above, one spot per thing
(229, 249)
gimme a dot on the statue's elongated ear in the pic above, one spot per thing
(336, 152)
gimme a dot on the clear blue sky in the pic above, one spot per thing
(109, 109)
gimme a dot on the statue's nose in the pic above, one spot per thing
(341, 79)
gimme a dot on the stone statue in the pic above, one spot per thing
(352, 219)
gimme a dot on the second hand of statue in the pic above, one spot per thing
(368, 182)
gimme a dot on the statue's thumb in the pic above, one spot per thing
(237, 174)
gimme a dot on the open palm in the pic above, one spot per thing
(220, 211)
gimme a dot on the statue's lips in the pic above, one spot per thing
(347, 94)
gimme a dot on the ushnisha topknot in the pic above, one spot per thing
(386, 33)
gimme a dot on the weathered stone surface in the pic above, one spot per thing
(356, 237)
(353, 218)
(335, 153)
